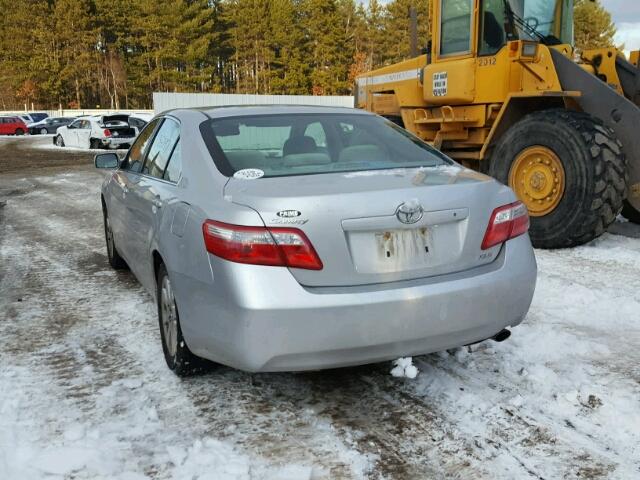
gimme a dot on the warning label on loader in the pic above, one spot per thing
(440, 83)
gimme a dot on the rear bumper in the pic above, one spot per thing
(116, 142)
(274, 324)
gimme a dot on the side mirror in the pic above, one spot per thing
(106, 160)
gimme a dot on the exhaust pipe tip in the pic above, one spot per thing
(502, 335)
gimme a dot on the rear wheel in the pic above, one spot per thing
(569, 169)
(19, 131)
(43, 131)
(176, 353)
(59, 141)
(115, 260)
(94, 143)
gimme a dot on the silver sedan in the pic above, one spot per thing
(294, 238)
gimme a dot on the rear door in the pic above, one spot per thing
(70, 135)
(83, 134)
(124, 181)
(150, 195)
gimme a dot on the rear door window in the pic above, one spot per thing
(161, 148)
(135, 158)
(173, 172)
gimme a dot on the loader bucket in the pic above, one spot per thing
(616, 111)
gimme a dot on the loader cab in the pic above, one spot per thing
(499, 21)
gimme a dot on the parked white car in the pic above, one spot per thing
(107, 131)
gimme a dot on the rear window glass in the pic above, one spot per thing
(302, 144)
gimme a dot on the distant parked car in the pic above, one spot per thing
(38, 116)
(49, 125)
(12, 125)
(26, 118)
(298, 238)
(107, 131)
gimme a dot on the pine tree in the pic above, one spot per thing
(287, 69)
(395, 46)
(75, 37)
(329, 52)
(593, 25)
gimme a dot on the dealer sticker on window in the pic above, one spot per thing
(249, 174)
(440, 83)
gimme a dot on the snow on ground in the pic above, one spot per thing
(85, 394)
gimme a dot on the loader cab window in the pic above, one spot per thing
(545, 21)
(455, 26)
(492, 34)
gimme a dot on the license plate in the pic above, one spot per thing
(401, 246)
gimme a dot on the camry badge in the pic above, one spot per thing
(410, 212)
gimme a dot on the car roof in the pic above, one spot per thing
(278, 109)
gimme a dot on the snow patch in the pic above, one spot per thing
(404, 368)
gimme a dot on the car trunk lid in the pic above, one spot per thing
(118, 125)
(356, 221)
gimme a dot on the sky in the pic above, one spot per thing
(626, 15)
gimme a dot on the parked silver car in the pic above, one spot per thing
(294, 238)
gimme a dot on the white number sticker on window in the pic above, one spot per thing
(249, 174)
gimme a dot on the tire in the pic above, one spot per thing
(176, 352)
(43, 131)
(19, 131)
(94, 144)
(59, 141)
(115, 260)
(630, 213)
(594, 174)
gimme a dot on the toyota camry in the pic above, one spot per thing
(279, 238)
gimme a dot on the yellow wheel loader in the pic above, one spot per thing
(501, 89)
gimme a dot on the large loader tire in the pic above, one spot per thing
(569, 169)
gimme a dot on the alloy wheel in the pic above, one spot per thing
(169, 316)
(109, 235)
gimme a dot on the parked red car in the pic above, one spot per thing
(12, 126)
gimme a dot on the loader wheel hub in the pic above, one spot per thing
(537, 177)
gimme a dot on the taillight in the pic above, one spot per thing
(508, 221)
(274, 246)
(107, 132)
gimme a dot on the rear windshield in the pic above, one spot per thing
(302, 144)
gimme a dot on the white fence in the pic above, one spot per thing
(166, 101)
(75, 112)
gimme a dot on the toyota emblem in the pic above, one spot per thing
(410, 212)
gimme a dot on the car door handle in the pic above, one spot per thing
(156, 202)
